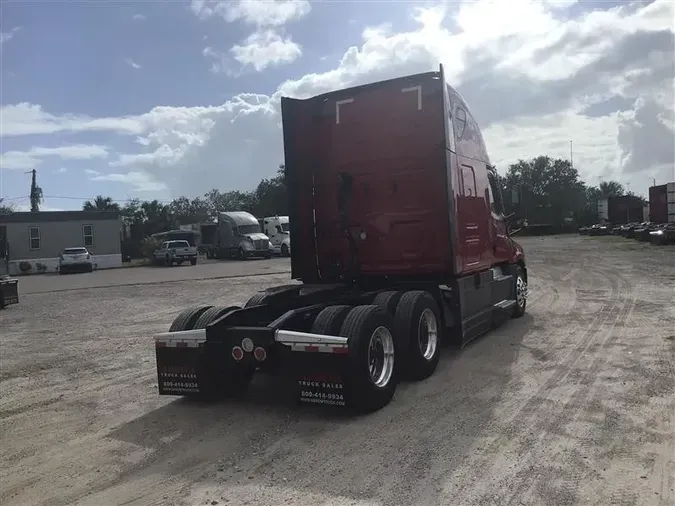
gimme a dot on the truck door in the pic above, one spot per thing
(226, 235)
(473, 213)
(469, 214)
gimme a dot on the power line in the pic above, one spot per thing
(66, 197)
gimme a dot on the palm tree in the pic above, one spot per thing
(101, 203)
(611, 189)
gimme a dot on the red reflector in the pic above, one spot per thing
(181, 344)
(237, 353)
(160, 344)
(260, 354)
(311, 348)
(341, 350)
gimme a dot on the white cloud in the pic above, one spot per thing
(7, 36)
(138, 17)
(140, 181)
(253, 12)
(265, 48)
(30, 119)
(594, 141)
(132, 63)
(27, 119)
(260, 50)
(220, 62)
(26, 160)
(533, 77)
(61, 170)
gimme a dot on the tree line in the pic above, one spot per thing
(268, 198)
(550, 191)
(542, 189)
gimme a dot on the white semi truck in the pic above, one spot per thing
(277, 228)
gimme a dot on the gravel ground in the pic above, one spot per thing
(572, 404)
(205, 269)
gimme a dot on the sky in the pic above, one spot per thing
(160, 99)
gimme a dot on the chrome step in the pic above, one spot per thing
(505, 304)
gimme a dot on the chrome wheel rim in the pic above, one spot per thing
(521, 292)
(427, 334)
(381, 356)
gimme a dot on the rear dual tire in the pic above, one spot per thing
(417, 325)
(371, 380)
(397, 336)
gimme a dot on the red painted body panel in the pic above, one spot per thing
(420, 202)
(393, 151)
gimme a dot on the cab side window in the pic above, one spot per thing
(496, 202)
(468, 181)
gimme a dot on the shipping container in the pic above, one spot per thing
(662, 203)
(623, 209)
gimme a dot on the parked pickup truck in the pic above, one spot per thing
(176, 252)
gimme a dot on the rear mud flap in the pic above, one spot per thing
(180, 371)
(9, 292)
(319, 378)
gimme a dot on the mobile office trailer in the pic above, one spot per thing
(400, 242)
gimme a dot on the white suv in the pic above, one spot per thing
(74, 260)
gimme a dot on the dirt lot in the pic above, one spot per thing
(572, 404)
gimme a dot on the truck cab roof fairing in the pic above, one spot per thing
(238, 218)
(469, 139)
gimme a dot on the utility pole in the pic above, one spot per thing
(571, 157)
(35, 192)
(628, 199)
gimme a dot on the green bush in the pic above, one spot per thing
(149, 246)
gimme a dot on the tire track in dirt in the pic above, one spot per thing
(188, 458)
(530, 410)
(428, 474)
(531, 475)
(661, 377)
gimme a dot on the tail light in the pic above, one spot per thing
(88, 256)
(260, 354)
(60, 256)
(237, 353)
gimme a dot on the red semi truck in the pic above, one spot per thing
(399, 243)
